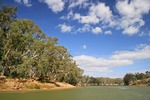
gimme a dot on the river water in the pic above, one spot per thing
(84, 93)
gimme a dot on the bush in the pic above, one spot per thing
(129, 79)
(37, 87)
(33, 86)
(1, 68)
(2, 86)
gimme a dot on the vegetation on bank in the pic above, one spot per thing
(100, 81)
(26, 52)
(29, 84)
(137, 78)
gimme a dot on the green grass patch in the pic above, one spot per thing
(33, 86)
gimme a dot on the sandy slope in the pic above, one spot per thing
(30, 85)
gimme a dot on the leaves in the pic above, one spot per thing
(25, 51)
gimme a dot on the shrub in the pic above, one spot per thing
(33, 86)
(37, 87)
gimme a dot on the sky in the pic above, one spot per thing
(107, 38)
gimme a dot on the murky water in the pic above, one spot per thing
(84, 93)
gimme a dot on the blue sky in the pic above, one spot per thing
(107, 38)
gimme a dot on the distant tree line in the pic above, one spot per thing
(133, 79)
(100, 81)
(26, 52)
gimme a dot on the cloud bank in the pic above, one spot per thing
(131, 12)
(128, 17)
(118, 59)
(125, 15)
(55, 5)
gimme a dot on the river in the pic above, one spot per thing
(84, 93)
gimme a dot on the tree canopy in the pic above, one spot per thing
(26, 52)
(130, 78)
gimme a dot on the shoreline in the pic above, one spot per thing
(52, 89)
(35, 90)
(25, 85)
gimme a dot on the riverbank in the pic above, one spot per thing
(23, 85)
(35, 90)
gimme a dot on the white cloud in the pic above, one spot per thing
(97, 30)
(27, 3)
(84, 46)
(108, 32)
(65, 28)
(19, 1)
(88, 28)
(88, 19)
(130, 26)
(75, 3)
(97, 69)
(131, 30)
(90, 63)
(55, 5)
(85, 28)
(120, 58)
(139, 53)
(69, 16)
(132, 12)
(97, 12)
(129, 18)
(133, 8)
(101, 11)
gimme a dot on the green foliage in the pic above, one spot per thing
(131, 78)
(7, 15)
(140, 76)
(147, 74)
(86, 80)
(26, 52)
(1, 68)
(33, 86)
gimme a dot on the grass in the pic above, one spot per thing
(33, 86)
(2, 87)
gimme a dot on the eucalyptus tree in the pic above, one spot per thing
(22, 43)
(129, 78)
(7, 16)
(25, 51)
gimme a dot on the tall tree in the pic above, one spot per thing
(25, 51)
(129, 78)
(7, 16)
